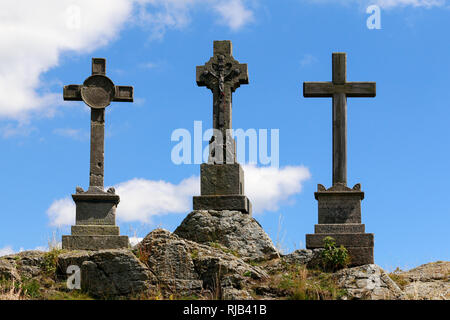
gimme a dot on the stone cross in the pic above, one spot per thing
(97, 92)
(222, 74)
(339, 89)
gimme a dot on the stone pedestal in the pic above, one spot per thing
(95, 227)
(222, 188)
(340, 218)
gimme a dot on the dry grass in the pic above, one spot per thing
(11, 293)
(296, 282)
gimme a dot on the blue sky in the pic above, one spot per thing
(398, 142)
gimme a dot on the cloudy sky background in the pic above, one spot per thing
(398, 142)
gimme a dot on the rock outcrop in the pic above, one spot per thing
(108, 273)
(237, 231)
(186, 267)
(369, 282)
(164, 265)
(430, 281)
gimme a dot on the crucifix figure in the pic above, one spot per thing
(97, 92)
(222, 74)
(222, 178)
(339, 89)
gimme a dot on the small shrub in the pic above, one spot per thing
(31, 288)
(247, 273)
(334, 258)
(400, 280)
(194, 254)
(50, 262)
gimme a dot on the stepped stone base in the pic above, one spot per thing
(92, 230)
(95, 227)
(94, 242)
(359, 245)
(340, 218)
(228, 202)
(222, 188)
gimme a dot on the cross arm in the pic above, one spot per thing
(201, 76)
(124, 94)
(241, 71)
(72, 92)
(327, 89)
(318, 89)
(361, 89)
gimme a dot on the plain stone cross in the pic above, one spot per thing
(97, 92)
(339, 89)
(222, 74)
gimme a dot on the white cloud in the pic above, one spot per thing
(234, 13)
(76, 134)
(414, 3)
(308, 59)
(134, 240)
(6, 251)
(17, 129)
(267, 187)
(62, 212)
(34, 34)
(140, 199)
(389, 4)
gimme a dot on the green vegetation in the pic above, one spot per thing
(334, 258)
(398, 279)
(224, 249)
(247, 273)
(50, 263)
(299, 283)
(194, 254)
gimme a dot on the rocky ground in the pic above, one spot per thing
(213, 265)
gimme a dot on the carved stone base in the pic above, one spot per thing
(221, 179)
(95, 227)
(339, 204)
(228, 202)
(340, 218)
(222, 188)
(96, 208)
(94, 242)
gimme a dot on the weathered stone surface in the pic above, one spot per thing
(8, 270)
(221, 179)
(225, 202)
(184, 264)
(236, 231)
(339, 206)
(427, 282)
(96, 208)
(25, 264)
(310, 258)
(94, 242)
(108, 273)
(100, 230)
(340, 228)
(367, 282)
(340, 218)
(345, 239)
